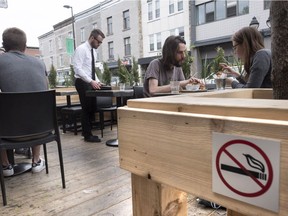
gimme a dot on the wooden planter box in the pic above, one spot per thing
(166, 143)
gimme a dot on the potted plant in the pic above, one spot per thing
(123, 74)
(135, 74)
(52, 77)
(186, 66)
(106, 77)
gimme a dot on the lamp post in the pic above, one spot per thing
(268, 22)
(265, 32)
(73, 20)
(254, 23)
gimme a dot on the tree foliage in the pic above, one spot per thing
(186, 66)
(106, 78)
(220, 58)
(135, 72)
(209, 68)
(99, 74)
(123, 73)
(72, 75)
(52, 77)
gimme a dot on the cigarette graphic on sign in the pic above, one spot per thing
(252, 162)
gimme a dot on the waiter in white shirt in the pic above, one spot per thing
(86, 79)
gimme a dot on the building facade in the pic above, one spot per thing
(215, 22)
(118, 19)
(139, 28)
(161, 19)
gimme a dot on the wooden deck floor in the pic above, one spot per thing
(95, 185)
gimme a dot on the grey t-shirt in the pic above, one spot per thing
(156, 71)
(22, 73)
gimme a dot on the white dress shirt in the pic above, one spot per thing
(82, 62)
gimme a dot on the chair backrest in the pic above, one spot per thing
(104, 102)
(27, 114)
(138, 91)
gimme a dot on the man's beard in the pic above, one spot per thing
(178, 64)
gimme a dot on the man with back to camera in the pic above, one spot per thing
(20, 73)
(161, 71)
(86, 79)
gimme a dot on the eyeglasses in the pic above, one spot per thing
(235, 46)
(99, 42)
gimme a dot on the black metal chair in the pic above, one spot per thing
(105, 104)
(70, 116)
(138, 92)
(28, 119)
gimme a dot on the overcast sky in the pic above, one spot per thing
(37, 17)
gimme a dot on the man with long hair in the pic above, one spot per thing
(167, 68)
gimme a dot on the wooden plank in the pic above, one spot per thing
(175, 149)
(233, 213)
(93, 177)
(210, 103)
(152, 198)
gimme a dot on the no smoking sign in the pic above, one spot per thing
(246, 169)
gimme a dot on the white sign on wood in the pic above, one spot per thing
(247, 169)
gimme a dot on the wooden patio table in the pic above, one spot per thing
(68, 92)
(120, 95)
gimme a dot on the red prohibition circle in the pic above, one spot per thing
(270, 170)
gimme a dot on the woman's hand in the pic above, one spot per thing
(195, 80)
(228, 69)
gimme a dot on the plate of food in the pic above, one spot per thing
(189, 91)
(195, 87)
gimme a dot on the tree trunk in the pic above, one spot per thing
(279, 48)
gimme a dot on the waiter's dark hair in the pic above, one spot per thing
(95, 32)
(169, 50)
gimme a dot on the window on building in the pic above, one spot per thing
(201, 14)
(94, 26)
(231, 8)
(151, 42)
(51, 60)
(126, 20)
(150, 11)
(178, 31)
(210, 10)
(158, 39)
(157, 8)
(181, 31)
(220, 10)
(243, 7)
(267, 4)
(50, 46)
(59, 40)
(70, 34)
(127, 46)
(111, 50)
(180, 5)
(82, 35)
(171, 6)
(61, 60)
(109, 26)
